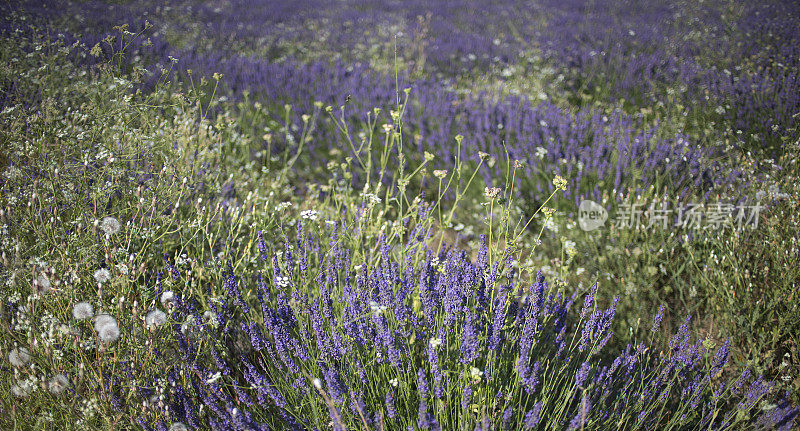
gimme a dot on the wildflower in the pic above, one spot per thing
(317, 383)
(394, 382)
(42, 283)
(282, 282)
(211, 319)
(560, 182)
(569, 248)
(309, 214)
(82, 310)
(435, 342)
(440, 173)
(110, 225)
(377, 309)
(19, 357)
(102, 275)
(178, 426)
(213, 377)
(540, 152)
(475, 373)
(580, 271)
(492, 192)
(154, 319)
(58, 384)
(483, 155)
(428, 156)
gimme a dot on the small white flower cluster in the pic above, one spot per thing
(282, 206)
(569, 248)
(377, 309)
(211, 319)
(309, 214)
(541, 152)
(394, 382)
(25, 387)
(435, 342)
(107, 328)
(178, 426)
(282, 282)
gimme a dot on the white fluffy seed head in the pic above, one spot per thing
(178, 426)
(108, 333)
(82, 310)
(102, 275)
(167, 296)
(19, 357)
(42, 283)
(58, 384)
(110, 225)
(154, 319)
(20, 391)
(317, 383)
(102, 320)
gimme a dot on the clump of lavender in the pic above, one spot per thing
(494, 333)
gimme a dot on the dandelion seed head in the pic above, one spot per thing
(167, 296)
(58, 384)
(110, 225)
(42, 283)
(178, 426)
(19, 357)
(154, 319)
(109, 333)
(82, 310)
(102, 275)
(20, 391)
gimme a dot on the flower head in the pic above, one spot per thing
(560, 182)
(82, 310)
(178, 426)
(167, 296)
(110, 225)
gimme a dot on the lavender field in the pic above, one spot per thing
(399, 215)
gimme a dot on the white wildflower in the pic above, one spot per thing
(178, 426)
(317, 383)
(82, 310)
(435, 342)
(107, 328)
(282, 282)
(211, 319)
(213, 377)
(569, 248)
(309, 214)
(393, 382)
(540, 152)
